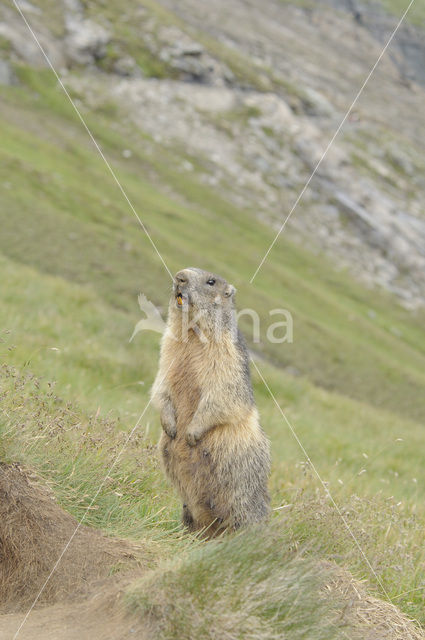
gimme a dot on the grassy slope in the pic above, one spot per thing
(73, 450)
(416, 13)
(73, 260)
(80, 228)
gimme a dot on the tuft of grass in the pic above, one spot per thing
(128, 26)
(251, 586)
(392, 558)
(5, 46)
(263, 584)
(88, 460)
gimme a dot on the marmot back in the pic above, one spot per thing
(212, 446)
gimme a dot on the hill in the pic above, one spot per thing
(211, 146)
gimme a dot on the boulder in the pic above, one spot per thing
(85, 41)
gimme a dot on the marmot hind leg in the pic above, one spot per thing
(187, 518)
(208, 530)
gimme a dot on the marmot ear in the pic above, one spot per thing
(229, 291)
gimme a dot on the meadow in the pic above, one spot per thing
(73, 259)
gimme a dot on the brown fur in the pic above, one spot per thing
(212, 446)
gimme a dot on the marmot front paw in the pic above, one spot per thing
(170, 430)
(169, 426)
(192, 438)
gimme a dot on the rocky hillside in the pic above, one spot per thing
(251, 93)
(213, 117)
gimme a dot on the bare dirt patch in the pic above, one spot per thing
(34, 530)
(100, 616)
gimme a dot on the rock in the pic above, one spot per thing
(73, 6)
(188, 49)
(125, 66)
(189, 57)
(315, 103)
(7, 76)
(25, 47)
(400, 161)
(27, 7)
(85, 41)
(261, 163)
(293, 371)
(275, 113)
(356, 212)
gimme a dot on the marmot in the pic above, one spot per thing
(212, 446)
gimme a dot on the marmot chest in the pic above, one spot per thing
(187, 378)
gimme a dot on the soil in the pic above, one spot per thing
(82, 598)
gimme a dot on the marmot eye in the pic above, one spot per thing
(211, 282)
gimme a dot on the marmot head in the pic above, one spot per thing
(204, 298)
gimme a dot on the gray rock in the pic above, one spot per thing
(73, 6)
(126, 66)
(315, 103)
(25, 48)
(357, 213)
(7, 76)
(188, 49)
(27, 7)
(85, 41)
(190, 58)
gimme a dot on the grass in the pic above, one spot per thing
(258, 584)
(73, 259)
(127, 28)
(238, 589)
(416, 14)
(74, 224)
(73, 450)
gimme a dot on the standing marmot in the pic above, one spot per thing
(212, 446)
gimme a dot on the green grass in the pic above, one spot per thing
(252, 586)
(81, 229)
(73, 259)
(416, 14)
(73, 450)
(192, 581)
(127, 28)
